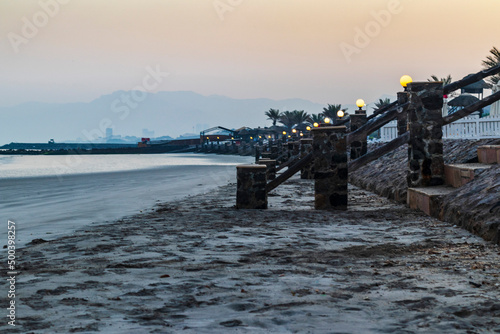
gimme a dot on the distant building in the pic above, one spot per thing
(109, 133)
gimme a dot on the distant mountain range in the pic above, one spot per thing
(129, 112)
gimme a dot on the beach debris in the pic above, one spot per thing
(38, 241)
(231, 323)
(477, 285)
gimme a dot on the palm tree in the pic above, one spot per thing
(287, 118)
(274, 115)
(300, 117)
(331, 110)
(382, 103)
(316, 118)
(445, 81)
(493, 60)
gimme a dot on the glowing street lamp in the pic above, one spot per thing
(405, 80)
(360, 103)
(308, 128)
(284, 133)
(315, 124)
(327, 120)
(294, 130)
(340, 113)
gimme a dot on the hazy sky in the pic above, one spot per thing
(327, 51)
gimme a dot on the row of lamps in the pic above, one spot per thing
(360, 103)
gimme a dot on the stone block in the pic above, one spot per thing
(425, 147)
(251, 187)
(489, 154)
(271, 168)
(456, 175)
(427, 199)
(306, 145)
(330, 168)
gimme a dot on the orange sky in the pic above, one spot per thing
(243, 48)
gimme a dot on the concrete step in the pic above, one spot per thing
(456, 175)
(428, 199)
(489, 154)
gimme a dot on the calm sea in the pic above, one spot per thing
(50, 196)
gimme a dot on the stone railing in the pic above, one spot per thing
(418, 123)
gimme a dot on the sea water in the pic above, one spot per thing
(51, 196)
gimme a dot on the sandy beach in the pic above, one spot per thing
(50, 206)
(198, 265)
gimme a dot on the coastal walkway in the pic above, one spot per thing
(198, 265)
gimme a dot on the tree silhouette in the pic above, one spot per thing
(490, 61)
(274, 115)
(316, 118)
(300, 117)
(287, 118)
(445, 81)
(331, 111)
(382, 103)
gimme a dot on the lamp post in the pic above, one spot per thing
(402, 116)
(357, 120)
(405, 80)
(308, 133)
(360, 103)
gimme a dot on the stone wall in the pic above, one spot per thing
(476, 205)
(468, 206)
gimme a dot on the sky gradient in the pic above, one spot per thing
(238, 48)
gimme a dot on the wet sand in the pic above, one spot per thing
(198, 265)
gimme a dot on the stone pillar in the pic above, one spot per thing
(251, 189)
(295, 148)
(402, 117)
(330, 168)
(285, 153)
(425, 149)
(274, 152)
(271, 168)
(305, 148)
(358, 148)
(257, 153)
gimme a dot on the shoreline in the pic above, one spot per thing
(201, 266)
(48, 206)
